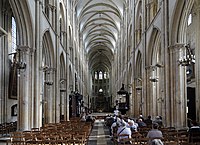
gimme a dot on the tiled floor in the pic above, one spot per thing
(100, 134)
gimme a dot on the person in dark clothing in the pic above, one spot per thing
(194, 132)
(109, 122)
(141, 123)
(148, 121)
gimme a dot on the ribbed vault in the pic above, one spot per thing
(99, 25)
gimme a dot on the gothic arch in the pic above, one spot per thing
(63, 88)
(152, 50)
(48, 50)
(23, 19)
(153, 73)
(179, 21)
(62, 24)
(138, 23)
(48, 77)
(138, 100)
(182, 34)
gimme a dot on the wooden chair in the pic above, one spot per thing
(17, 138)
(172, 136)
(195, 137)
(183, 136)
(35, 129)
(128, 141)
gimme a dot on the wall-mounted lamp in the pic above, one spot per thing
(189, 57)
(48, 82)
(43, 102)
(138, 87)
(17, 59)
(47, 70)
(62, 85)
(19, 63)
(153, 79)
(157, 65)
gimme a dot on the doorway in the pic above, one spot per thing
(191, 103)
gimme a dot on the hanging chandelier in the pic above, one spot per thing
(189, 57)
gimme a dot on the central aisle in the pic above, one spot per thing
(99, 134)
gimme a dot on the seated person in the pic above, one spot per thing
(141, 123)
(194, 132)
(89, 119)
(131, 124)
(155, 135)
(159, 121)
(148, 121)
(123, 131)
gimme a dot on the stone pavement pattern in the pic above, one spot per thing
(99, 134)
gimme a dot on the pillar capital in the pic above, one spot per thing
(176, 47)
(26, 49)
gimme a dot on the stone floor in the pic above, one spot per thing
(100, 134)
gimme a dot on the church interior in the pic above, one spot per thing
(62, 58)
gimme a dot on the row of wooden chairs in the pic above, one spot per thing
(68, 133)
(19, 138)
(171, 136)
(6, 128)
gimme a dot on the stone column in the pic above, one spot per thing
(149, 107)
(178, 98)
(197, 56)
(4, 71)
(37, 59)
(49, 97)
(25, 102)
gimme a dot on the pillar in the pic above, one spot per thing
(178, 95)
(25, 100)
(197, 57)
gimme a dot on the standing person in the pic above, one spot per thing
(155, 135)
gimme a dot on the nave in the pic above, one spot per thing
(99, 134)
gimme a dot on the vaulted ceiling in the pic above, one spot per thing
(99, 25)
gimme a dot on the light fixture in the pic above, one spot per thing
(46, 69)
(48, 82)
(122, 91)
(19, 63)
(153, 79)
(189, 57)
(17, 59)
(138, 87)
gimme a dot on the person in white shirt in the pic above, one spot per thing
(123, 130)
(116, 112)
(132, 125)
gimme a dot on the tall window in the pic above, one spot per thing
(13, 73)
(189, 19)
(105, 75)
(46, 4)
(14, 38)
(95, 75)
(100, 75)
(60, 21)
